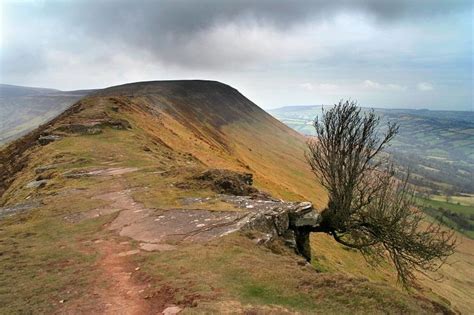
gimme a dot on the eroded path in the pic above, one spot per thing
(118, 289)
(124, 294)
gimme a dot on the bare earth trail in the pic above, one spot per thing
(123, 294)
(117, 290)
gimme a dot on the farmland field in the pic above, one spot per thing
(436, 146)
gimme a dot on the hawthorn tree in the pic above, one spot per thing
(369, 209)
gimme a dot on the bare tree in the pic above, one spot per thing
(369, 209)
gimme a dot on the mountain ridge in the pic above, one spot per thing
(104, 173)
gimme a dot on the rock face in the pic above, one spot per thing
(45, 139)
(37, 183)
(95, 126)
(227, 182)
(291, 222)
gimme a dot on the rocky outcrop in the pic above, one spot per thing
(291, 222)
(272, 218)
(94, 127)
(45, 139)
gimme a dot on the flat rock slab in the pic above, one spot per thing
(151, 247)
(18, 208)
(129, 253)
(113, 171)
(177, 225)
(171, 310)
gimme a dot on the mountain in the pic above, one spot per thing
(24, 108)
(166, 195)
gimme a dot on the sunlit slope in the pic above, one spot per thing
(222, 128)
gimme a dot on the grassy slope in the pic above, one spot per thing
(236, 273)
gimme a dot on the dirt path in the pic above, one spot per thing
(123, 293)
(117, 289)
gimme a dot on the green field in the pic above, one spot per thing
(437, 146)
(457, 216)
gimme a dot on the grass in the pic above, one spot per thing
(436, 203)
(234, 269)
(463, 200)
(43, 261)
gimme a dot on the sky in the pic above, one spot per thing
(395, 54)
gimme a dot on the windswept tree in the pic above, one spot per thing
(369, 209)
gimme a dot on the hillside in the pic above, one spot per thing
(117, 204)
(24, 108)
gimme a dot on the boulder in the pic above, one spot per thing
(44, 140)
(37, 183)
(290, 222)
(44, 168)
(309, 219)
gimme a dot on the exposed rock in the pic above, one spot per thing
(41, 169)
(44, 140)
(81, 129)
(95, 127)
(150, 247)
(308, 219)
(272, 219)
(99, 172)
(288, 221)
(225, 181)
(129, 253)
(171, 310)
(37, 183)
(18, 208)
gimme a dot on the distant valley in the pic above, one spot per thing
(24, 108)
(437, 147)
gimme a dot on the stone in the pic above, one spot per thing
(129, 253)
(290, 222)
(18, 208)
(309, 219)
(44, 140)
(227, 182)
(150, 247)
(37, 183)
(43, 168)
(171, 310)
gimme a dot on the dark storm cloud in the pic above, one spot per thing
(385, 52)
(174, 31)
(186, 33)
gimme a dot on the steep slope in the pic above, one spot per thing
(24, 108)
(114, 205)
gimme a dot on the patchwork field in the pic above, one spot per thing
(437, 146)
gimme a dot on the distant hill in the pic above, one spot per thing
(24, 108)
(437, 146)
(129, 199)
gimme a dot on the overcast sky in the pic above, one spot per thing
(400, 53)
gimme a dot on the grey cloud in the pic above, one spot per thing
(95, 43)
(174, 31)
